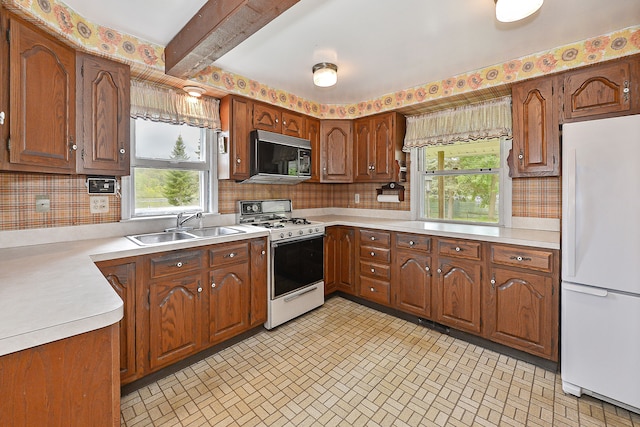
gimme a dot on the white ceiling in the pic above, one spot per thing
(380, 46)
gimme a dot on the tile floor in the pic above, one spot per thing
(348, 365)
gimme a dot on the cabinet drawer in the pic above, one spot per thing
(225, 254)
(460, 248)
(378, 271)
(413, 241)
(175, 263)
(534, 259)
(371, 253)
(375, 290)
(381, 239)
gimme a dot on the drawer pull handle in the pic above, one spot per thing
(458, 248)
(231, 255)
(179, 264)
(520, 258)
(373, 254)
(373, 290)
(411, 243)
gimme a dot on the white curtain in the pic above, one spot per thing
(164, 104)
(483, 120)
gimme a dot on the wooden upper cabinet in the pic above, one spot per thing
(233, 151)
(103, 116)
(336, 148)
(293, 124)
(594, 91)
(312, 133)
(42, 102)
(267, 117)
(376, 141)
(536, 145)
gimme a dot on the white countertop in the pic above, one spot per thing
(51, 291)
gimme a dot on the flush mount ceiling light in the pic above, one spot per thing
(194, 91)
(325, 74)
(514, 10)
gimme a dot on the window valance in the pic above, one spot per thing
(483, 120)
(163, 104)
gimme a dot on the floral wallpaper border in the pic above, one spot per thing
(108, 42)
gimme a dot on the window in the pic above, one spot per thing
(171, 168)
(464, 182)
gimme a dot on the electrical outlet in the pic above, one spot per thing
(356, 199)
(43, 203)
(99, 204)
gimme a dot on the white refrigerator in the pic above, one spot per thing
(600, 300)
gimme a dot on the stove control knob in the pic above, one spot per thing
(310, 230)
(317, 229)
(301, 232)
(282, 235)
(290, 234)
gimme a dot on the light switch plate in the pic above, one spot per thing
(99, 204)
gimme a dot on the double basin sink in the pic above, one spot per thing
(179, 235)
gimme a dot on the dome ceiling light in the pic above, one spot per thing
(194, 91)
(514, 10)
(325, 74)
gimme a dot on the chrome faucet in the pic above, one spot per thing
(181, 219)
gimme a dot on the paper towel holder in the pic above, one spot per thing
(392, 186)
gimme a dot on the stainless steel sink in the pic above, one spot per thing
(161, 237)
(215, 231)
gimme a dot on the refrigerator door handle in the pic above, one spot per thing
(596, 292)
(570, 212)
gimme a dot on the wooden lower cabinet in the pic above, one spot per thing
(70, 382)
(121, 274)
(412, 282)
(459, 290)
(522, 311)
(259, 271)
(375, 266)
(176, 308)
(339, 260)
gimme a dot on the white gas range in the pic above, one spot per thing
(296, 273)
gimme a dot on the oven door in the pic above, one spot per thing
(296, 264)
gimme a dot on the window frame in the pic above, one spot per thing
(505, 187)
(209, 187)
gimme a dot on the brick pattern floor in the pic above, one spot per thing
(348, 365)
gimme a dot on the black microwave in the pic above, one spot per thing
(279, 159)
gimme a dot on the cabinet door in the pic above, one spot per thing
(597, 90)
(103, 116)
(258, 281)
(336, 151)
(175, 319)
(346, 260)
(267, 117)
(292, 124)
(522, 312)
(459, 289)
(536, 146)
(122, 278)
(331, 260)
(383, 153)
(411, 282)
(42, 102)
(233, 156)
(228, 301)
(312, 133)
(363, 158)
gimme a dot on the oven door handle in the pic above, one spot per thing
(294, 296)
(288, 242)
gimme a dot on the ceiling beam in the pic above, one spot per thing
(218, 27)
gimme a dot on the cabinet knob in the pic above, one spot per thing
(373, 238)
(373, 254)
(493, 282)
(373, 270)
(276, 120)
(625, 91)
(199, 289)
(122, 151)
(213, 285)
(373, 167)
(411, 243)
(179, 264)
(519, 258)
(427, 268)
(439, 271)
(231, 255)
(373, 290)
(263, 252)
(1, 117)
(458, 248)
(521, 156)
(238, 160)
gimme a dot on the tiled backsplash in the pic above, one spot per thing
(532, 197)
